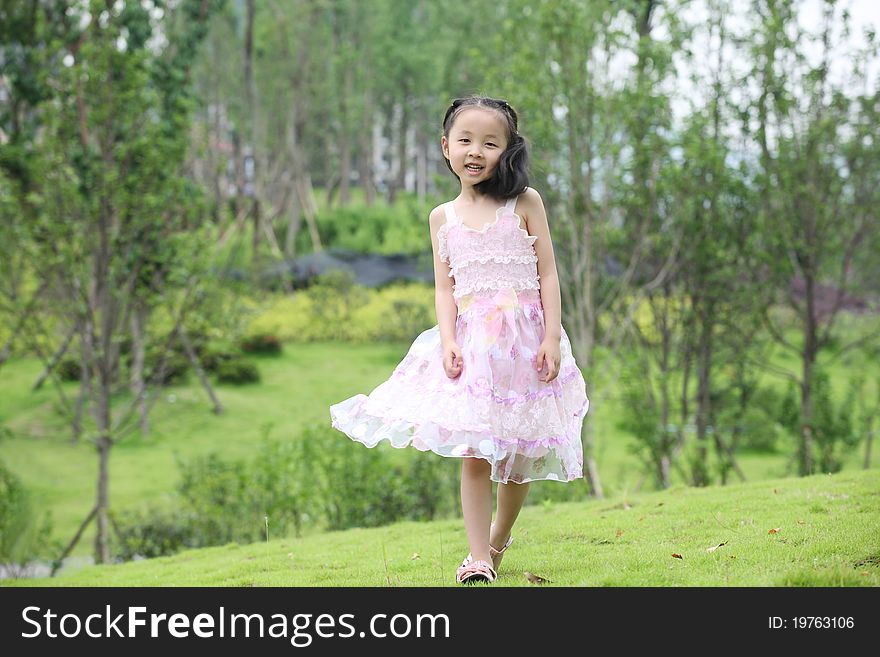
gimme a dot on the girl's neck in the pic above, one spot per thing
(468, 196)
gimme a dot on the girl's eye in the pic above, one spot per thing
(462, 140)
(490, 144)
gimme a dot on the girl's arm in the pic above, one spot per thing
(444, 303)
(536, 221)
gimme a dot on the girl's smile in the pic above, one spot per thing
(476, 142)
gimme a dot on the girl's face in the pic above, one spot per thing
(478, 137)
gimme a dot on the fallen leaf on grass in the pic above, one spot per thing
(414, 556)
(535, 579)
(775, 530)
(715, 547)
(677, 556)
(619, 532)
(802, 522)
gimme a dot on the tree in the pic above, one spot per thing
(818, 183)
(99, 197)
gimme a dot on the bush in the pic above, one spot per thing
(176, 365)
(213, 354)
(215, 492)
(335, 297)
(237, 371)
(23, 537)
(321, 478)
(368, 487)
(153, 532)
(262, 343)
(373, 228)
(832, 422)
(68, 369)
(337, 309)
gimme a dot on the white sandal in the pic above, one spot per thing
(498, 555)
(475, 571)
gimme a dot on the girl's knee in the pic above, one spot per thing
(475, 466)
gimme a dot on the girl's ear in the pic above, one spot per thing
(443, 146)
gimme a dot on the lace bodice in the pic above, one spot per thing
(500, 255)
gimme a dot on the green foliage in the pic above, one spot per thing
(641, 416)
(378, 228)
(214, 353)
(238, 371)
(747, 415)
(335, 296)
(23, 536)
(153, 532)
(68, 369)
(831, 423)
(319, 479)
(261, 343)
(217, 493)
(173, 362)
(336, 308)
(367, 487)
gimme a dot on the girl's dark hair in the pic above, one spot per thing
(510, 177)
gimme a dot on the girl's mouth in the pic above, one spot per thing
(471, 168)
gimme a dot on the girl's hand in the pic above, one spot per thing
(452, 360)
(549, 358)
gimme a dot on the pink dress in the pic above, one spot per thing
(497, 408)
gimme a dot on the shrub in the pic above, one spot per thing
(337, 309)
(320, 478)
(335, 297)
(153, 532)
(373, 228)
(68, 369)
(261, 344)
(23, 536)
(176, 365)
(213, 354)
(237, 371)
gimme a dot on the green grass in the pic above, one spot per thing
(827, 536)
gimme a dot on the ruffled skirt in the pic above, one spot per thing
(496, 409)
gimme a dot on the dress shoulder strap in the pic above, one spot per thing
(511, 203)
(450, 212)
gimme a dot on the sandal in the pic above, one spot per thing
(498, 555)
(475, 571)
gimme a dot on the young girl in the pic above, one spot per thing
(494, 382)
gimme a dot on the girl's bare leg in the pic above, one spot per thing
(476, 505)
(510, 500)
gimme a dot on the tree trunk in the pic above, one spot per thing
(250, 108)
(365, 161)
(102, 545)
(53, 362)
(86, 358)
(700, 467)
(197, 366)
(138, 322)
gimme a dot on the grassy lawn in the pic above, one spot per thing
(826, 536)
(297, 389)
